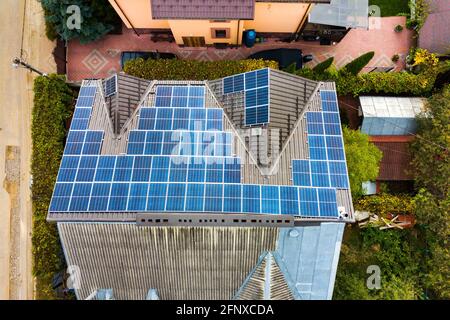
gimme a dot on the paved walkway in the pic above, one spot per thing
(16, 102)
(101, 58)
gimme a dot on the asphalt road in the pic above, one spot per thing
(22, 27)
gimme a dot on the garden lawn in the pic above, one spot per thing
(390, 8)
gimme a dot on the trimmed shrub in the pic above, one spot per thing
(376, 82)
(324, 65)
(359, 63)
(385, 82)
(53, 101)
(176, 69)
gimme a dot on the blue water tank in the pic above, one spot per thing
(249, 38)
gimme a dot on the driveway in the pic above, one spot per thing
(101, 58)
(16, 101)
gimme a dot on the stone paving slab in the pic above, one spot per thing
(101, 58)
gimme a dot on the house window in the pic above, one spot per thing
(217, 33)
(220, 33)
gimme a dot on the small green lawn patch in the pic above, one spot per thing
(390, 8)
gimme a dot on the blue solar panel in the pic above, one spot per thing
(63, 189)
(332, 129)
(250, 80)
(82, 113)
(262, 77)
(289, 200)
(328, 95)
(228, 85)
(87, 91)
(238, 83)
(85, 102)
(329, 117)
(79, 124)
(73, 148)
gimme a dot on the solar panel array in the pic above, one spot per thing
(255, 85)
(80, 140)
(326, 166)
(179, 159)
(192, 143)
(180, 119)
(180, 96)
(83, 108)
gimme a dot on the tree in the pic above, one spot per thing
(97, 18)
(432, 174)
(431, 158)
(354, 67)
(363, 159)
(324, 65)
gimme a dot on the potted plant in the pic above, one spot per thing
(398, 28)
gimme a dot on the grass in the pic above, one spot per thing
(391, 8)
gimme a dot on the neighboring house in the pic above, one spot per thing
(390, 122)
(435, 33)
(212, 22)
(235, 188)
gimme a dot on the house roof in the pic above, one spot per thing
(202, 263)
(395, 164)
(437, 19)
(109, 173)
(203, 9)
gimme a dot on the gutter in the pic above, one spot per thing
(126, 17)
(302, 22)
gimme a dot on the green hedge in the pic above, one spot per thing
(176, 69)
(376, 82)
(53, 102)
(386, 82)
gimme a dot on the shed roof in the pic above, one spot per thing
(391, 107)
(395, 164)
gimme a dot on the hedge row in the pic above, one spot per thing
(176, 69)
(376, 82)
(52, 107)
(386, 82)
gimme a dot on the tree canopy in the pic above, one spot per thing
(363, 159)
(97, 18)
(432, 175)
